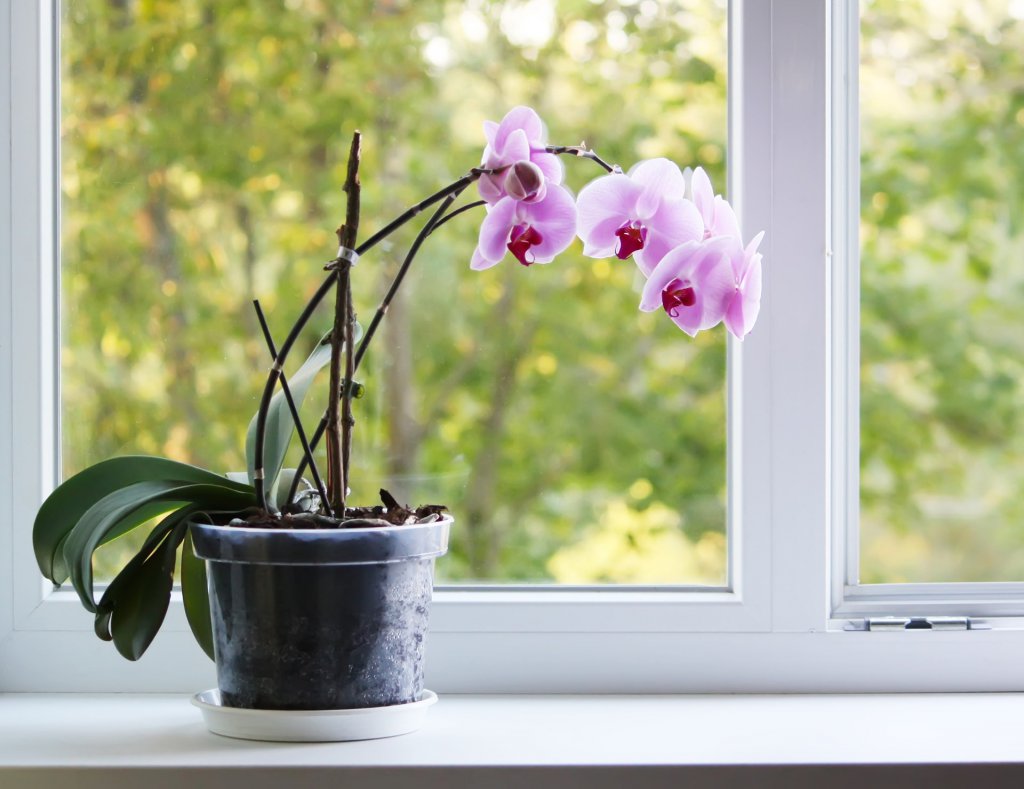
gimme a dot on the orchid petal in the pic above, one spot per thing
(755, 242)
(495, 229)
(689, 318)
(601, 241)
(675, 222)
(709, 273)
(723, 222)
(555, 219)
(742, 258)
(669, 268)
(655, 248)
(490, 130)
(519, 118)
(491, 188)
(716, 285)
(549, 164)
(516, 147)
(480, 263)
(678, 221)
(659, 179)
(703, 196)
(604, 198)
(705, 267)
(746, 302)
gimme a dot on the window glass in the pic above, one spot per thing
(942, 262)
(575, 439)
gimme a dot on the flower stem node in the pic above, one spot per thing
(355, 389)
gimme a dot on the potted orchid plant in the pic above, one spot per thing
(305, 601)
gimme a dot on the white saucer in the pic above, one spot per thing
(369, 723)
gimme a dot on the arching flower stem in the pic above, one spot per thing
(455, 213)
(583, 152)
(262, 492)
(449, 194)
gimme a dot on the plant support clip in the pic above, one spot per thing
(344, 253)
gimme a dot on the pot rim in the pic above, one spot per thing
(362, 545)
(360, 529)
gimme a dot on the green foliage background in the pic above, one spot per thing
(574, 438)
(942, 237)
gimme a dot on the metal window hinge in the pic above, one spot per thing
(890, 623)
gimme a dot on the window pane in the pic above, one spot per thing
(942, 242)
(575, 439)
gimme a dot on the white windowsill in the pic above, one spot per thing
(537, 741)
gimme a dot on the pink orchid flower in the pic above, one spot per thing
(745, 303)
(643, 214)
(693, 283)
(716, 213)
(532, 232)
(520, 137)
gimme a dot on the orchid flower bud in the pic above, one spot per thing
(525, 181)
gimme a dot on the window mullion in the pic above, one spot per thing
(786, 191)
(750, 184)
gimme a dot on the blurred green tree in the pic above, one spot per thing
(203, 146)
(942, 390)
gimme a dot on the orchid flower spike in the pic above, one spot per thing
(519, 138)
(642, 213)
(534, 232)
(693, 283)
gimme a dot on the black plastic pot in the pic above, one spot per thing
(323, 619)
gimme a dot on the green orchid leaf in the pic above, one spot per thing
(64, 508)
(196, 596)
(145, 596)
(114, 592)
(280, 424)
(130, 506)
(101, 624)
(284, 483)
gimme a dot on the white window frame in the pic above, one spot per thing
(850, 598)
(778, 624)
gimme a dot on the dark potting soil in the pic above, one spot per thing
(388, 513)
